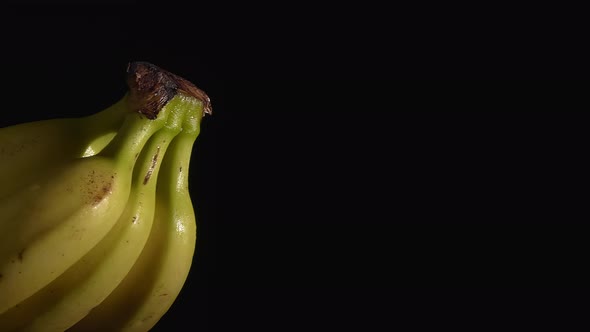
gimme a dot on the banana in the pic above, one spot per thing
(72, 208)
(157, 277)
(94, 233)
(84, 285)
(67, 214)
(25, 147)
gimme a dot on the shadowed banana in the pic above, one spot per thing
(68, 213)
(157, 277)
(72, 207)
(84, 285)
(97, 228)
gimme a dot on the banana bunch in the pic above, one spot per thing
(97, 227)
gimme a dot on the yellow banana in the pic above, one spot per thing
(29, 148)
(84, 285)
(67, 214)
(94, 234)
(157, 277)
(68, 211)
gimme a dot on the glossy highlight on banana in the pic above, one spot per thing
(97, 226)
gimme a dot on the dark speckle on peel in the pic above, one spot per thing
(148, 175)
(98, 187)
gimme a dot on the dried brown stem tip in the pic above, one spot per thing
(151, 87)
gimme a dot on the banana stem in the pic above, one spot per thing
(109, 119)
(151, 87)
(157, 146)
(151, 91)
(176, 176)
(131, 138)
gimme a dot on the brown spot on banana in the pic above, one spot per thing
(148, 175)
(98, 186)
(102, 193)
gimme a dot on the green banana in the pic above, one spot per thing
(87, 217)
(85, 284)
(157, 277)
(24, 147)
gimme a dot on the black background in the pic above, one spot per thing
(346, 178)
